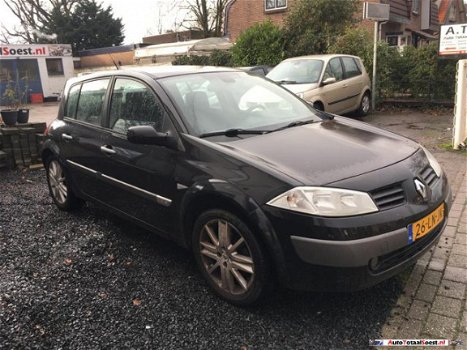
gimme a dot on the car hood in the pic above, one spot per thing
(327, 151)
(297, 88)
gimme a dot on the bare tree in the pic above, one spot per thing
(33, 16)
(170, 16)
(206, 16)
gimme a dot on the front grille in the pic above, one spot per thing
(388, 197)
(428, 175)
(385, 262)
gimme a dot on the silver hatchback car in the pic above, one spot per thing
(333, 83)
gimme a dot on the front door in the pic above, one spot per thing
(142, 175)
(334, 94)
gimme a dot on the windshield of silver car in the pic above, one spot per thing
(297, 71)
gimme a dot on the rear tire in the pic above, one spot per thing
(230, 258)
(60, 188)
(364, 108)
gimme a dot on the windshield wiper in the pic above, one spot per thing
(234, 132)
(296, 123)
(286, 82)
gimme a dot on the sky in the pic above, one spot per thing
(140, 17)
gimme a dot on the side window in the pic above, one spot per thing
(54, 66)
(351, 68)
(91, 101)
(133, 103)
(334, 70)
(72, 101)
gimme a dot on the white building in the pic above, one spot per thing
(41, 70)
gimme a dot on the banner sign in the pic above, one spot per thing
(16, 51)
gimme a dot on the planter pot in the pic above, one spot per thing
(23, 115)
(9, 116)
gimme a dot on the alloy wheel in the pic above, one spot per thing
(366, 103)
(226, 256)
(57, 181)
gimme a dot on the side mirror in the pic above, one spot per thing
(328, 81)
(147, 135)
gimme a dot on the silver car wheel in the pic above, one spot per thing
(226, 256)
(365, 103)
(57, 181)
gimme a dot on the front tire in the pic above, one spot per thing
(230, 257)
(59, 183)
(319, 106)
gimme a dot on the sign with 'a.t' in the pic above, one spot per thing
(453, 40)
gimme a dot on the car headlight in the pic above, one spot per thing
(433, 162)
(300, 94)
(325, 201)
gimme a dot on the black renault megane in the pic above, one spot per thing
(261, 187)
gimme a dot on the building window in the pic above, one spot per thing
(392, 40)
(416, 6)
(275, 4)
(7, 72)
(54, 66)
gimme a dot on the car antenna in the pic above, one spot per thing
(115, 64)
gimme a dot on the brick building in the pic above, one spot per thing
(242, 14)
(412, 22)
(451, 12)
(173, 37)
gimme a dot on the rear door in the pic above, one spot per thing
(83, 133)
(353, 82)
(141, 175)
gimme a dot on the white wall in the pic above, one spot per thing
(53, 85)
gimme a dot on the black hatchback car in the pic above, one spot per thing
(258, 184)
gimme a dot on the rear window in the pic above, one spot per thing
(91, 101)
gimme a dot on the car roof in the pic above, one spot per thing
(320, 57)
(156, 72)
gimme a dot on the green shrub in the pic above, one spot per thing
(313, 25)
(191, 61)
(220, 58)
(415, 73)
(263, 43)
(217, 58)
(357, 42)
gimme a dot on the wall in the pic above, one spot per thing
(105, 60)
(173, 37)
(52, 86)
(244, 13)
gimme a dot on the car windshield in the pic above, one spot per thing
(301, 71)
(219, 101)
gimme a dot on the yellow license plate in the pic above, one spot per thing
(425, 225)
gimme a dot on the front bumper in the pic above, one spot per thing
(347, 254)
(355, 265)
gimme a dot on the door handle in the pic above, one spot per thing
(107, 149)
(67, 137)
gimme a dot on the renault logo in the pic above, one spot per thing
(421, 188)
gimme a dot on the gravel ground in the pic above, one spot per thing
(89, 280)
